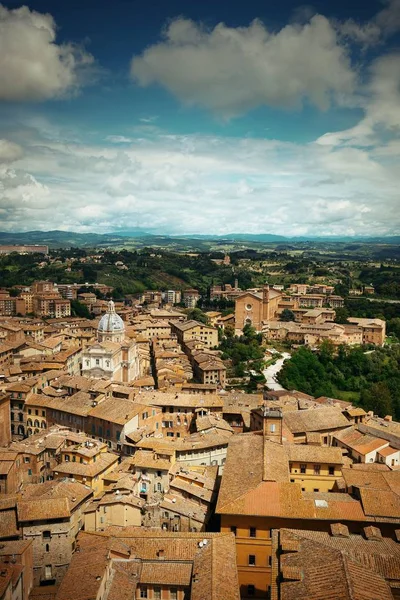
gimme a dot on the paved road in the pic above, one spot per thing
(271, 372)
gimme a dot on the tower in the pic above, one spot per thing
(265, 300)
(272, 424)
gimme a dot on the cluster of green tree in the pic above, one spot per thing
(386, 280)
(372, 376)
(221, 305)
(147, 269)
(80, 310)
(245, 353)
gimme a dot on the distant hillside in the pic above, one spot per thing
(140, 238)
(59, 239)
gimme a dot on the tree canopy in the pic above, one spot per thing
(369, 378)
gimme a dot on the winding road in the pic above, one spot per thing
(271, 372)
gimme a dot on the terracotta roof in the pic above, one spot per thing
(116, 410)
(166, 573)
(177, 553)
(358, 441)
(317, 454)
(315, 419)
(388, 451)
(324, 573)
(44, 509)
(148, 460)
(74, 492)
(179, 399)
(8, 523)
(379, 554)
(104, 460)
(380, 503)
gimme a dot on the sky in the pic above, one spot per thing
(200, 117)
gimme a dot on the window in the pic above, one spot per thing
(316, 490)
(46, 535)
(303, 468)
(253, 532)
(97, 363)
(67, 458)
(272, 428)
(47, 547)
(143, 592)
(29, 471)
(47, 571)
(252, 560)
(331, 470)
(157, 592)
(251, 590)
(43, 413)
(173, 594)
(317, 469)
(27, 459)
(292, 481)
(234, 529)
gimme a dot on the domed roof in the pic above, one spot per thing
(111, 322)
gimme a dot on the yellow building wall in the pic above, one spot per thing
(312, 482)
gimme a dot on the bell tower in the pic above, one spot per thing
(265, 310)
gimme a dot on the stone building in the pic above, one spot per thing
(253, 307)
(51, 516)
(113, 355)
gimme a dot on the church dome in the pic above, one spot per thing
(111, 322)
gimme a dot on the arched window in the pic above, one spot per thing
(29, 431)
(20, 417)
(43, 425)
(29, 423)
(37, 430)
(159, 488)
(36, 423)
(21, 430)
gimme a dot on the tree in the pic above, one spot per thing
(342, 314)
(196, 314)
(287, 315)
(378, 399)
(80, 310)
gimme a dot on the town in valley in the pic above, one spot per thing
(237, 439)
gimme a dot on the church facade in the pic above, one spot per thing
(254, 307)
(113, 355)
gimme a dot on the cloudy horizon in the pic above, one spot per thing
(237, 119)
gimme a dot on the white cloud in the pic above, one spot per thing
(202, 184)
(118, 139)
(382, 107)
(231, 70)
(9, 152)
(388, 19)
(384, 24)
(32, 65)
